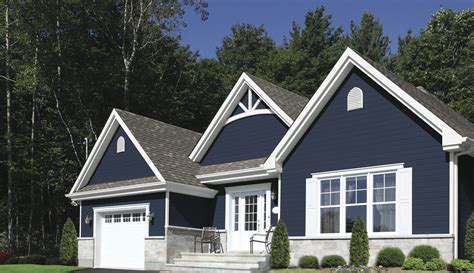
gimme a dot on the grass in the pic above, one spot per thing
(29, 268)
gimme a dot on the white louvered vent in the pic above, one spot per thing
(120, 145)
(355, 99)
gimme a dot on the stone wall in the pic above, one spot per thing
(85, 252)
(322, 247)
(155, 253)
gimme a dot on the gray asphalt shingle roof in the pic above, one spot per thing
(144, 180)
(291, 103)
(232, 166)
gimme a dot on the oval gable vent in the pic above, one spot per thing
(355, 99)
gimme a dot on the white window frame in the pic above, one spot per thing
(315, 209)
(330, 202)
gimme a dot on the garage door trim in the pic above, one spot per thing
(106, 209)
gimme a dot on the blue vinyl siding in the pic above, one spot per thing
(115, 166)
(189, 211)
(383, 132)
(247, 138)
(465, 197)
(157, 206)
(218, 203)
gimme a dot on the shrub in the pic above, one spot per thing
(436, 264)
(68, 247)
(390, 257)
(412, 263)
(54, 261)
(424, 252)
(359, 248)
(33, 259)
(469, 240)
(12, 260)
(458, 265)
(309, 261)
(332, 261)
(4, 255)
(280, 246)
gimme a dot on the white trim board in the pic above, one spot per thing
(226, 109)
(250, 174)
(349, 60)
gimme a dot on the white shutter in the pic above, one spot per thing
(404, 201)
(311, 207)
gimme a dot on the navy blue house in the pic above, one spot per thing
(367, 144)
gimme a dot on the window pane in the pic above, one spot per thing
(325, 199)
(330, 220)
(384, 218)
(325, 186)
(126, 217)
(251, 212)
(389, 194)
(117, 218)
(335, 185)
(362, 196)
(390, 180)
(350, 197)
(236, 213)
(352, 213)
(350, 183)
(361, 182)
(378, 195)
(378, 181)
(335, 198)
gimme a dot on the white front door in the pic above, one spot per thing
(121, 239)
(249, 214)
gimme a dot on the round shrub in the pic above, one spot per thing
(412, 263)
(54, 261)
(309, 261)
(424, 252)
(332, 261)
(280, 246)
(469, 239)
(390, 257)
(359, 247)
(33, 259)
(436, 264)
(68, 247)
(459, 265)
(11, 260)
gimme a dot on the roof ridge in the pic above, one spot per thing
(282, 88)
(156, 120)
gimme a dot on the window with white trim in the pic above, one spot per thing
(108, 218)
(117, 218)
(378, 195)
(126, 217)
(121, 144)
(136, 216)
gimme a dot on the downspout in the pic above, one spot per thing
(469, 150)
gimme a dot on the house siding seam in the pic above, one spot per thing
(383, 132)
(217, 208)
(157, 206)
(247, 138)
(465, 198)
(115, 166)
(189, 211)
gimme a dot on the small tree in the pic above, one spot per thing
(68, 247)
(469, 240)
(359, 248)
(280, 246)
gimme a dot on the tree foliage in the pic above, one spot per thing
(68, 247)
(359, 246)
(280, 246)
(368, 38)
(469, 239)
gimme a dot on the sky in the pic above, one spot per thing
(397, 17)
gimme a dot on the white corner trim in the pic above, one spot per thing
(100, 147)
(331, 83)
(370, 169)
(118, 191)
(190, 190)
(242, 175)
(167, 208)
(226, 109)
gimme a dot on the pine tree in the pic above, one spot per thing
(359, 248)
(280, 246)
(68, 247)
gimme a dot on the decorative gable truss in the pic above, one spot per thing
(246, 99)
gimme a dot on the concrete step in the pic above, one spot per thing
(238, 257)
(221, 263)
(212, 269)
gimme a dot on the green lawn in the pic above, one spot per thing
(28, 268)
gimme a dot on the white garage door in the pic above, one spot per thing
(121, 239)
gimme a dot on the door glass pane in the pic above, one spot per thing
(384, 218)
(265, 211)
(251, 212)
(330, 220)
(236, 213)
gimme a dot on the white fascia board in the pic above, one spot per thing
(101, 145)
(118, 191)
(237, 176)
(226, 109)
(331, 83)
(190, 190)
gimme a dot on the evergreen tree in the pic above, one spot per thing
(280, 246)
(359, 246)
(368, 38)
(469, 239)
(68, 247)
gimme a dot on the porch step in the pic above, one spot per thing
(221, 263)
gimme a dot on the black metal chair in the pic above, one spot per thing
(210, 236)
(262, 239)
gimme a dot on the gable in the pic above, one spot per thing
(121, 166)
(382, 132)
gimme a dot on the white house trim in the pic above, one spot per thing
(167, 209)
(350, 59)
(242, 175)
(118, 191)
(226, 109)
(249, 113)
(362, 170)
(190, 190)
(100, 147)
